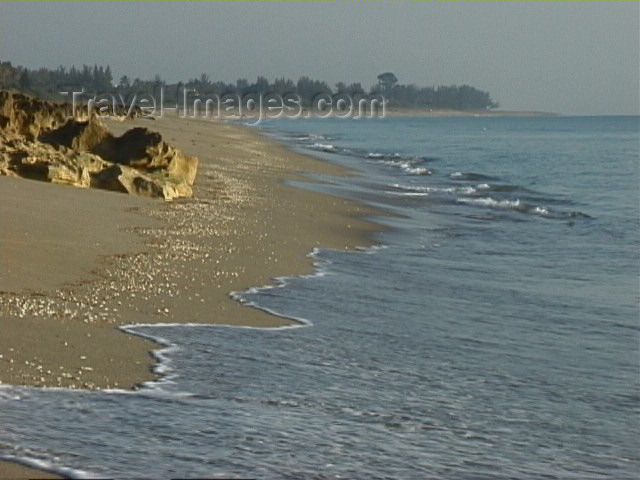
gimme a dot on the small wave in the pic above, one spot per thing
(462, 190)
(504, 188)
(489, 187)
(163, 366)
(467, 190)
(490, 202)
(7, 392)
(320, 270)
(372, 249)
(523, 207)
(515, 205)
(313, 136)
(469, 176)
(408, 167)
(418, 189)
(410, 164)
(541, 211)
(304, 137)
(409, 188)
(410, 194)
(162, 356)
(323, 147)
(417, 170)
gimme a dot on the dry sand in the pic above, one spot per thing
(76, 264)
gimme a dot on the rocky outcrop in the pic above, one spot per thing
(27, 116)
(38, 141)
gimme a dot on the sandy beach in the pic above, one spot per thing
(79, 263)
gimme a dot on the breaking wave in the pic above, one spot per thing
(519, 206)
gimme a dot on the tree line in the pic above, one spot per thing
(98, 79)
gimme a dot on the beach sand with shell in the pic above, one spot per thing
(77, 264)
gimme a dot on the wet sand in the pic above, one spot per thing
(10, 470)
(77, 264)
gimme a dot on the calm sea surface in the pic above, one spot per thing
(492, 333)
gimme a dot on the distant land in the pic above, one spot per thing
(98, 79)
(444, 112)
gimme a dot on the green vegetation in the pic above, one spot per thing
(47, 83)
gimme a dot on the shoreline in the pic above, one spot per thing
(158, 262)
(18, 470)
(418, 112)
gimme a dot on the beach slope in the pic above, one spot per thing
(77, 264)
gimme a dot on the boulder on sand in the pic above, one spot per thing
(38, 141)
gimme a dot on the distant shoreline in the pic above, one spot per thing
(418, 112)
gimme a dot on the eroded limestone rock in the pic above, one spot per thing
(38, 141)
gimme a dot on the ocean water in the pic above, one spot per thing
(493, 332)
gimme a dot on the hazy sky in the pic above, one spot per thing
(566, 57)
